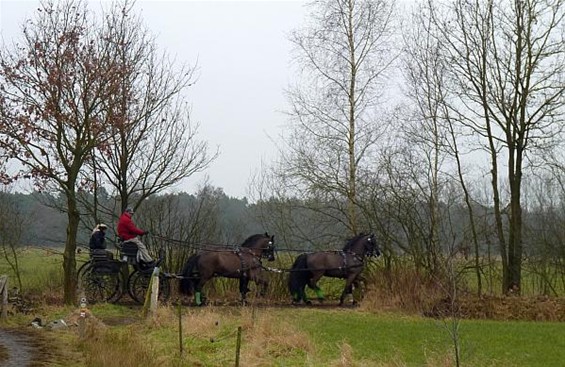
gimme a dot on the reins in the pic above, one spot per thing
(236, 249)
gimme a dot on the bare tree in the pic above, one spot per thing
(431, 126)
(343, 55)
(505, 61)
(53, 86)
(154, 144)
(184, 223)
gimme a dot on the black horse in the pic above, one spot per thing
(347, 264)
(243, 263)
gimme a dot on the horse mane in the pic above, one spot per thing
(353, 240)
(250, 241)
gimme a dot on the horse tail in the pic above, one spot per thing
(186, 284)
(299, 275)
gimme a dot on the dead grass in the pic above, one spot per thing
(124, 347)
(405, 289)
(346, 357)
(503, 308)
(268, 338)
(264, 336)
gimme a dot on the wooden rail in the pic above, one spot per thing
(4, 293)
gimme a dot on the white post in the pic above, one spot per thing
(152, 295)
(155, 290)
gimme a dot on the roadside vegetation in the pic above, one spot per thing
(384, 331)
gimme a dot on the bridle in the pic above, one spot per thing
(268, 252)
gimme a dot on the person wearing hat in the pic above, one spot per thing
(127, 231)
(97, 242)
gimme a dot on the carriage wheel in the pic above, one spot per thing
(138, 283)
(100, 283)
(81, 271)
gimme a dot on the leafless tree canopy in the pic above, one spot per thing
(154, 144)
(343, 55)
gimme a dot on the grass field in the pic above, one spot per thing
(307, 337)
(273, 335)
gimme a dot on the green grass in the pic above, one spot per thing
(40, 270)
(386, 338)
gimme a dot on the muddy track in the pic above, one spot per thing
(23, 348)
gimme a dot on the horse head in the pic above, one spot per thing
(371, 247)
(269, 252)
(363, 244)
(262, 245)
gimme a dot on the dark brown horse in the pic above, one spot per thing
(347, 264)
(243, 263)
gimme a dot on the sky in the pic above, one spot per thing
(243, 56)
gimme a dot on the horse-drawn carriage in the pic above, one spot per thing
(104, 279)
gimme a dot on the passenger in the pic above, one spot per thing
(97, 242)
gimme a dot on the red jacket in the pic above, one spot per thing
(126, 229)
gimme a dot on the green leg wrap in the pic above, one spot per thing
(198, 298)
(319, 293)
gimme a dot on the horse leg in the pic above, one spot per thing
(300, 296)
(243, 289)
(313, 284)
(198, 295)
(303, 296)
(263, 284)
(358, 290)
(347, 289)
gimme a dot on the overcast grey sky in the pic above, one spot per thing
(243, 54)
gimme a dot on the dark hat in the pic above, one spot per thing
(102, 226)
(129, 210)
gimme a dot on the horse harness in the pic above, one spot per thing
(356, 256)
(245, 268)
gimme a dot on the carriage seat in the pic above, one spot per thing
(128, 251)
(99, 255)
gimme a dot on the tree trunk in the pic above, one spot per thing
(352, 191)
(512, 280)
(69, 259)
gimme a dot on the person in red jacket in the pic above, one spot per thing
(127, 231)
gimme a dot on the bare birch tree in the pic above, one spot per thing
(343, 54)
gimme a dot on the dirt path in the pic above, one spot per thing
(18, 348)
(22, 348)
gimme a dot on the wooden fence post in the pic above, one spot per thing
(180, 328)
(238, 346)
(4, 292)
